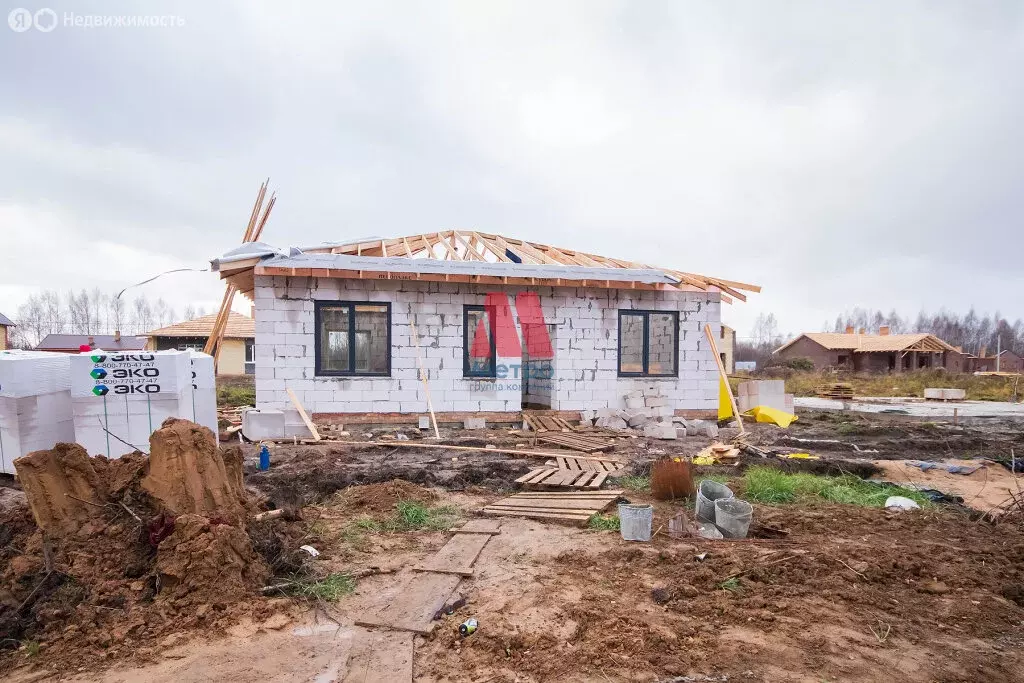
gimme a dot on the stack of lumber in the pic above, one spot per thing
(571, 506)
(838, 390)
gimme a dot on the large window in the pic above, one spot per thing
(648, 343)
(478, 348)
(353, 338)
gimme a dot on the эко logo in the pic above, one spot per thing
(97, 358)
(100, 390)
(98, 373)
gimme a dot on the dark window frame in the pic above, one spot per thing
(646, 353)
(318, 307)
(492, 372)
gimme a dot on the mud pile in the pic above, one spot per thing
(376, 499)
(127, 550)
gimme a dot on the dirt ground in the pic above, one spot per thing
(845, 594)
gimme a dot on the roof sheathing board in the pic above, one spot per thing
(396, 264)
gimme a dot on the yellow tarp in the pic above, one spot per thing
(773, 415)
(724, 406)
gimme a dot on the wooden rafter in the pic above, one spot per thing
(472, 245)
(469, 250)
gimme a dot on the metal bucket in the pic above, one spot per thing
(635, 521)
(732, 517)
(707, 493)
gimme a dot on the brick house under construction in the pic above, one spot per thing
(882, 352)
(496, 324)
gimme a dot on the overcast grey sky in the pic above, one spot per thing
(839, 154)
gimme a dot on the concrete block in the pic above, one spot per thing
(711, 430)
(638, 420)
(424, 422)
(635, 394)
(474, 423)
(663, 411)
(655, 401)
(632, 402)
(660, 430)
(954, 394)
(611, 422)
(263, 424)
(651, 391)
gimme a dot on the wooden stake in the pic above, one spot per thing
(725, 378)
(507, 451)
(423, 376)
(302, 414)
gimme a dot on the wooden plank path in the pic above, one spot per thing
(566, 506)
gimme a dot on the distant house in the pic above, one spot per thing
(882, 352)
(1008, 361)
(73, 343)
(237, 356)
(5, 340)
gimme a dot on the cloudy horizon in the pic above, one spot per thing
(840, 155)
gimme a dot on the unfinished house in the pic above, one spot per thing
(496, 324)
(882, 352)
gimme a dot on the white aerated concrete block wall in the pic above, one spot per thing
(585, 367)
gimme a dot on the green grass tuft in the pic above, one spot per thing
(31, 647)
(769, 485)
(604, 522)
(635, 483)
(329, 589)
(732, 585)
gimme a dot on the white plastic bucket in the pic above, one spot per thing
(707, 493)
(635, 521)
(732, 517)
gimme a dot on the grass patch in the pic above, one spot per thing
(732, 585)
(769, 485)
(236, 396)
(978, 388)
(331, 588)
(412, 516)
(635, 483)
(30, 647)
(604, 522)
(717, 478)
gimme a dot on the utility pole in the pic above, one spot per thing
(999, 340)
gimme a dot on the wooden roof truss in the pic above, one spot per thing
(470, 245)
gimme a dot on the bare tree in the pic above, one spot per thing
(142, 315)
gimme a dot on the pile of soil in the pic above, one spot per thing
(126, 551)
(381, 499)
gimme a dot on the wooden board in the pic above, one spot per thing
(574, 506)
(457, 556)
(302, 413)
(480, 526)
(550, 477)
(577, 442)
(413, 608)
(380, 657)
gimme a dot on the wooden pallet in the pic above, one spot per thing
(834, 390)
(568, 462)
(544, 478)
(577, 442)
(572, 506)
(545, 423)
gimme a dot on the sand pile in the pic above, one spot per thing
(127, 550)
